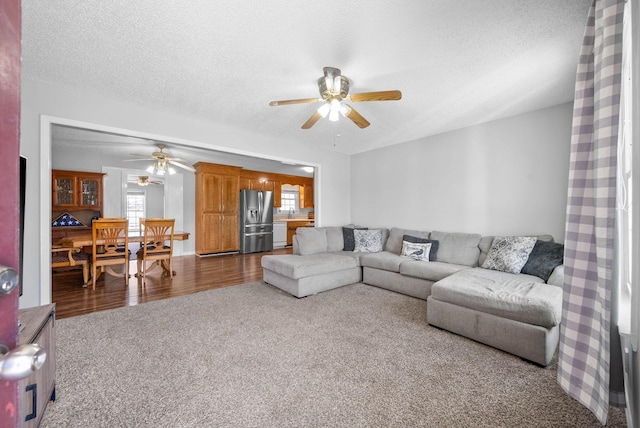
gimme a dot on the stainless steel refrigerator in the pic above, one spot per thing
(256, 221)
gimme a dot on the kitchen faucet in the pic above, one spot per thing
(291, 211)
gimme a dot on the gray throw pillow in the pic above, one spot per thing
(509, 253)
(434, 245)
(367, 241)
(349, 241)
(544, 258)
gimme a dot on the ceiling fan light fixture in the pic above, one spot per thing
(151, 169)
(335, 109)
(323, 110)
(171, 171)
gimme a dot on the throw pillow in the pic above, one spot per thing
(416, 250)
(347, 234)
(311, 240)
(367, 241)
(509, 253)
(544, 258)
(416, 240)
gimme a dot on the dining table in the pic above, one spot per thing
(85, 240)
(81, 240)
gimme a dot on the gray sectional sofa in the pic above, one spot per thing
(469, 281)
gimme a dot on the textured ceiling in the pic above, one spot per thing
(116, 148)
(456, 62)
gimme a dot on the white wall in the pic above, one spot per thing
(506, 177)
(38, 98)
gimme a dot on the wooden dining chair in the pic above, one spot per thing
(109, 247)
(156, 247)
(62, 257)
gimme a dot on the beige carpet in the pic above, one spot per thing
(254, 356)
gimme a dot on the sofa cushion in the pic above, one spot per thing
(311, 240)
(544, 258)
(434, 245)
(509, 253)
(367, 241)
(432, 271)
(394, 242)
(335, 238)
(457, 248)
(519, 297)
(296, 267)
(384, 260)
(348, 238)
(355, 256)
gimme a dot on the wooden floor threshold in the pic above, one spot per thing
(193, 274)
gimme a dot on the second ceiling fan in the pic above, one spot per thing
(334, 91)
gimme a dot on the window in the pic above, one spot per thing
(290, 202)
(135, 210)
(627, 246)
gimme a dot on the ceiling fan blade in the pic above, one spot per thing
(137, 160)
(312, 120)
(376, 96)
(300, 101)
(183, 166)
(357, 118)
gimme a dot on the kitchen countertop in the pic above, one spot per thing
(293, 219)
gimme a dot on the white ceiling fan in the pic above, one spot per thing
(334, 91)
(143, 180)
(162, 162)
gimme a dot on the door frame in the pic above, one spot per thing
(46, 124)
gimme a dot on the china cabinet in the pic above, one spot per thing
(76, 190)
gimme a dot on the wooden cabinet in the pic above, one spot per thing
(76, 190)
(255, 180)
(217, 199)
(277, 194)
(306, 195)
(36, 390)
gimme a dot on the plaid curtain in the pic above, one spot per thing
(584, 364)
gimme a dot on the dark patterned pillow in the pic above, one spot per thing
(544, 258)
(349, 240)
(434, 245)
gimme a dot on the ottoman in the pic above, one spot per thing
(310, 274)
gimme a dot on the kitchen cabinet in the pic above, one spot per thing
(306, 195)
(255, 180)
(38, 326)
(277, 194)
(217, 199)
(76, 190)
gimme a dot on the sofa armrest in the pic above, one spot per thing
(557, 277)
(296, 246)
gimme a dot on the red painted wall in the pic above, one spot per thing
(10, 36)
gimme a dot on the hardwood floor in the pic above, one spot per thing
(194, 274)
